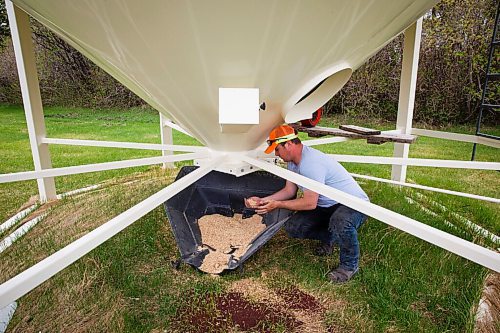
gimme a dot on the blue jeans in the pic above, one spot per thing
(337, 225)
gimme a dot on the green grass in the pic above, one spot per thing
(127, 284)
(135, 125)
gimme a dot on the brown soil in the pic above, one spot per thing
(224, 236)
(251, 306)
(222, 313)
(298, 300)
(304, 307)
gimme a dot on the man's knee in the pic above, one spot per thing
(345, 219)
(300, 225)
(293, 228)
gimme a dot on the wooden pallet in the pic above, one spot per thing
(370, 138)
(359, 130)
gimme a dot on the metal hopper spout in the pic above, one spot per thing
(220, 193)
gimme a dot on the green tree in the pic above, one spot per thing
(453, 56)
(4, 25)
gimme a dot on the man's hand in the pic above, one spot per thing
(308, 202)
(253, 202)
(268, 206)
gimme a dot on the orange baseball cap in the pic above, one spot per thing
(279, 134)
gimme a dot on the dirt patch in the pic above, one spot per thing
(298, 300)
(305, 308)
(226, 236)
(250, 316)
(232, 311)
(256, 291)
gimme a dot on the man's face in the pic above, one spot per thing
(283, 151)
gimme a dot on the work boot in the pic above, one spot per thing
(323, 250)
(341, 275)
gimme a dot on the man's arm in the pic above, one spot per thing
(308, 202)
(287, 192)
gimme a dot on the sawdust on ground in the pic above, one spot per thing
(226, 236)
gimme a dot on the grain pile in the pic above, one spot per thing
(225, 236)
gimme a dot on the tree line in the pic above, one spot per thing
(456, 36)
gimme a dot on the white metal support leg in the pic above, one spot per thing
(28, 78)
(166, 139)
(407, 94)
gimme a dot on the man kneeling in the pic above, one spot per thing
(317, 217)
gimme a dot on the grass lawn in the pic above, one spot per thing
(133, 125)
(128, 284)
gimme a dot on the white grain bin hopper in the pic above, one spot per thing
(177, 54)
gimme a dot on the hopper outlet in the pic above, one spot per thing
(316, 92)
(220, 195)
(238, 109)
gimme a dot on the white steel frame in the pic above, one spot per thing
(407, 89)
(37, 274)
(28, 79)
(427, 188)
(73, 170)
(456, 137)
(424, 162)
(129, 145)
(166, 139)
